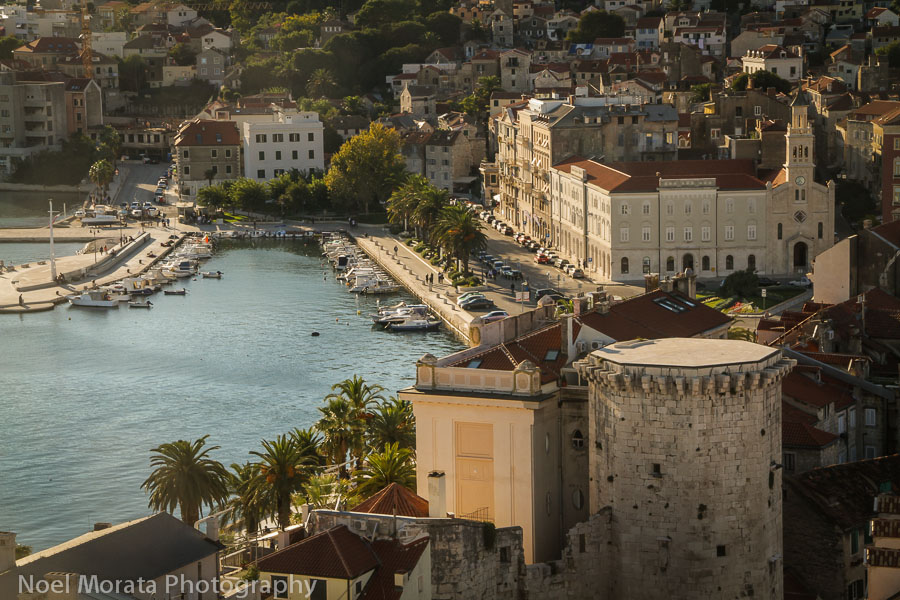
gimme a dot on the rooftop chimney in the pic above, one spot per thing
(651, 282)
(7, 551)
(867, 223)
(437, 495)
(666, 285)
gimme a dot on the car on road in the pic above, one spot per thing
(507, 230)
(495, 315)
(541, 259)
(475, 303)
(468, 296)
(498, 264)
(152, 212)
(79, 213)
(561, 263)
(137, 213)
(162, 183)
(802, 282)
(575, 271)
(547, 292)
(488, 259)
(532, 246)
(766, 282)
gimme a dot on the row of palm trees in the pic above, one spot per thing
(450, 227)
(361, 443)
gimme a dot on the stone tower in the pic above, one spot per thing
(686, 440)
(799, 162)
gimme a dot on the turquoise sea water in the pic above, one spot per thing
(85, 394)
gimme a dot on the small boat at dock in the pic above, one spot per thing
(415, 323)
(181, 292)
(212, 274)
(140, 304)
(94, 299)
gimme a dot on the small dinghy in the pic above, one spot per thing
(181, 292)
(140, 304)
(212, 274)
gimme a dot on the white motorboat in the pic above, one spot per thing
(140, 304)
(415, 323)
(212, 274)
(374, 285)
(401, 314)
(94, 299)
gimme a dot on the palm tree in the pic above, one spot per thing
(245, 508)
(308, 442)
(392, 422)
(392, 465)
(742, 333)
(184, 476)
(334, 427)
(460, 233)
(283, 469)
(328, 491)
(360, 395)
(402, 203)
(430, 203)
(101, 173)
(321, 84)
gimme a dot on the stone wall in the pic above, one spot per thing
(683, 456)
(470, 560)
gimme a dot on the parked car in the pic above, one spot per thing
(137, 213)
(802, 282)
(468, 296)
(79, 213)
(541, 259)
(576, 273)
(495, 315)
(766, 282)
(532, 246)
(547, 292)
(561, 263)
(498, 264)
(488, 259)
(507, 230)
(475, 303)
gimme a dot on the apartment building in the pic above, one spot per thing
(623, 220)
(774, 59)
(534, 136)
(32, 118)
(206, 152)
(288, 141)
(84, 105)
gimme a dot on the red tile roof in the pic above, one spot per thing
(644, 317)
(394, 500)
(814, 393)
(844, 493)
(629, 177)
(395, 558)
(804, 435)
(889, 231)
(336, 553)
(535, 347)
(792, 414)
(51, 45)
(200, 132)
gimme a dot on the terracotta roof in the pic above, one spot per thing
(536, 347)
(844, 493)
(394, 500)
(646, 316)
(486, 55)
(875, 12)
(51, 45)
(874, 108)
(814, 393)
(629, 177)
(774, 51)
(648, 22)
(804, 435)
(395, 558)
(792, 414)
(890, 118)
(200, 132)
(889, 231)
(336, 553)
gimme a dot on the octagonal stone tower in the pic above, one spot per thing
(685, 446)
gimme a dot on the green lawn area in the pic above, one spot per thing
(233, 218)
(774, 295)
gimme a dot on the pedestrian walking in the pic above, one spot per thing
(441, 278)
(21, 300)
(395, 249)
(512, 288)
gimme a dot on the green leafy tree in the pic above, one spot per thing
(109, 144)
(101, 173)
(353, 105)
(327, 491)
(22, 551)
(182, 54)
(742, 333)
(702, 92)
(132, 74)
(460, 233)
(321, 84)
(892, 52)
(213, 196)
(855, 201)
(283, 469)
(597, 23)
(761, 80)
(447, 26)
(742, 284)
(184, 476)
(366, 168)
(375, 13)
(391, 465)
(249, 194)
(8, 44)
(392, 422)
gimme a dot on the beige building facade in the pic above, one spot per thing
(206, 151)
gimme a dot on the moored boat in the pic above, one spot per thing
(94, 299)
(415, 323)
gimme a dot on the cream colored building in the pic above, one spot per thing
(506, 422)
(775, 59)
(206, 151)
(532, 138)
(625, 220)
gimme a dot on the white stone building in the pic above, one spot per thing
(289, 141)
(775, 59)
(624, 220)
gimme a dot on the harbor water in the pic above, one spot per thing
(86, 393)
(29, 209)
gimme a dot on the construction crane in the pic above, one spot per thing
(87, 56)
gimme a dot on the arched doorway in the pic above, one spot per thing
(751, 263)
(800, 255)
(687, 262)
